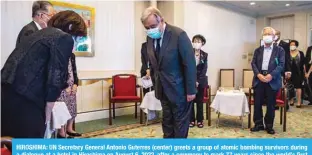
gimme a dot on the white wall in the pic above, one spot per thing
(114, 33)
(229, 35)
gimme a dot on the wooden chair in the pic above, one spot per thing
(227, 78)
(281, 102)
(247, 80)
(207, 100)
(124, 90)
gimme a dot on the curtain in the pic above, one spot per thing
(285, 25)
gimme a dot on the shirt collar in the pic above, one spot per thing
(38, 26)
(164, 26)
(270, 47)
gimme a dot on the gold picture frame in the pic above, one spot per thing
(84, 46)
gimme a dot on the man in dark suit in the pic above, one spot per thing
(145, 68)
(285, 46)
(42, 11)
(172, 58)
(267, 64)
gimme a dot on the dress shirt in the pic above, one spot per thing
(266, 57)
(197, 58)
(38, 26)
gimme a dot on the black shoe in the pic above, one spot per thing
(74, 134)
(270, 131)
(310, 103)
(257, 128)
(60, 136)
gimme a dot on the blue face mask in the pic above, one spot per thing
(154, 33)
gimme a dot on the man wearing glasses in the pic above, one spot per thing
(42, 11)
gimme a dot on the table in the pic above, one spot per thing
(230, 102)
(150, 105)
(60, 116)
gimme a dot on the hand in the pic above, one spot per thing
(68, 90)
(75, 88)
(190, 98)
(148, 73)
(197, 84)
(268, 77)
(307, 75)
(48, 111)
(261, 78)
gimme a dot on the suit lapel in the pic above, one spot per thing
(272, 58)
(261, 57)
(151, 53)
(165, 41)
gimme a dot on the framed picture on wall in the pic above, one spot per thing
(84, 46)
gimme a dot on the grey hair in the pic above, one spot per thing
(271, 28)
(150, 11)
(40, 6)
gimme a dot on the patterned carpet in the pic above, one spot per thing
(299, 124)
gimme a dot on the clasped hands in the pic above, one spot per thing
(265, 79)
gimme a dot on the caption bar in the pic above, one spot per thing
(163, 147)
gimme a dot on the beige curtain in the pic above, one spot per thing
(285, 25)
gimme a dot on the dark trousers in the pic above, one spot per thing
(199, 106)
(20, 117)
(176, 118)
(264, 90)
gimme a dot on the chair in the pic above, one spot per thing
(124, 90)
(247, 80)
(281, 102)
(6, 146)
(227, 78)
(207, 100)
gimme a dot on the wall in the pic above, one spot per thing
(300, 26)
(227, 40)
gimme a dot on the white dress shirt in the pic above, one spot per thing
(38, 26)
(161, 38)
(266, 57)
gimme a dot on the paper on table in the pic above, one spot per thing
(147, 82)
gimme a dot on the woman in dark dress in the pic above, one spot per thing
(308, 70)
(202, 81)
(297, 70)
(35, 74)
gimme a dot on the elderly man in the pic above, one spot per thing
(173, 64)
(267, 64)
(42, 11)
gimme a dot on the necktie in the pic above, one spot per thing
(275, 44)
(157, 50)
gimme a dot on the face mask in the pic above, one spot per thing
(154, 33)
(268, 39)
(197, 45)
(293, 48)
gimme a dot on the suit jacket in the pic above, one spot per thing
(174, 73)
(38, 67)
(202, 69)
(74, 68)
(308, 58)
(286, 48)
(144, 59)
(26, 31)
(276, 66)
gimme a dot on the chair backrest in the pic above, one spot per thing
(227, 78)
(124, 85)
(279, 95)
(247, 78)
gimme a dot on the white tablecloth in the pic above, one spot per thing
(60, 116)
(150, 104)
(231, 103)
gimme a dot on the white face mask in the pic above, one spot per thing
(268, 39)
(197, 45)
(293, 48)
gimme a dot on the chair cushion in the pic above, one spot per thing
(126, 98)
(205, 99)
(280, 102)
(5, 151)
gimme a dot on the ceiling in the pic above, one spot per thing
(263, 8)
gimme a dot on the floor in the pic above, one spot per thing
(299, 124)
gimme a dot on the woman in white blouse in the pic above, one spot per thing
(202, 80)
